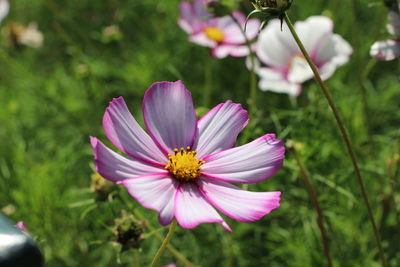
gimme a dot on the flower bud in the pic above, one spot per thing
(274, 8)
(101, 187)
(128, 231)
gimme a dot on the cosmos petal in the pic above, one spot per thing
(115, 167)
(224, 50)
(239, 204)
(275, 81)
(275, 47)
(192, 209)
(219, 128)
(169, 115)
(386, 50)
(234, 35)
(250, 163)
(333, 49)
(314, 30)
(156, 192)
(201, 38)
(127, 135)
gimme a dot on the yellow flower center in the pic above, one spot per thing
(214, 34)
(184, 165)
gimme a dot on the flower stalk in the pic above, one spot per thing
(164, 243)
(345, 136)
(253, 77)
(314, 200)
(208, 77)
(174, 252)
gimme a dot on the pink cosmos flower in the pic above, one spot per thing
(286, 67)
(389, 49)
(21, 226)
(184, 168)
(222, 35)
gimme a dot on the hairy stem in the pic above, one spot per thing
(315, 203)
(170, 248)
(253, 77)
(208, 78)
(345, 136)
(164, 244)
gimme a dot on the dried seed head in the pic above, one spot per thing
(128, 231)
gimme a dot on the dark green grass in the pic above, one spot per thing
(49, 108)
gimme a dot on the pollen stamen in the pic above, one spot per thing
(184, 165)
(214, 34)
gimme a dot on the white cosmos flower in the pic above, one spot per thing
(4, 8)
(286, 68)
(389, 49)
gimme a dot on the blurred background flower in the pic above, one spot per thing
(286, 68)
(389, 49)
(4, 9)
(224, 35)
(19, 35)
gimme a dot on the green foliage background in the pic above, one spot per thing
(53, 98)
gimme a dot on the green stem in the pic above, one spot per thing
(253, 77)
(345, 136)
(315, 203)
(253, 86)
(208, 77)
(170, 248)
(164, 243)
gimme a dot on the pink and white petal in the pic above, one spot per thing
(169, 115)
(275, 47)
(202, 39)
(220, 51)
(190, 21)
(240, 17)
(333, 49)
(327, 70)
(234, 35)
(313, 30)
(250, 163)
(225, 50)
(275, 81)
(185, 25)
(386, 50)
(200, 10)
(223, 22)
(239, 204)
(192, 209)
(219, 128)
(299, 71)
(115, 167)
(394, 23)
(127, 135)
(186, 12)
(156, 192)
(253, 28)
